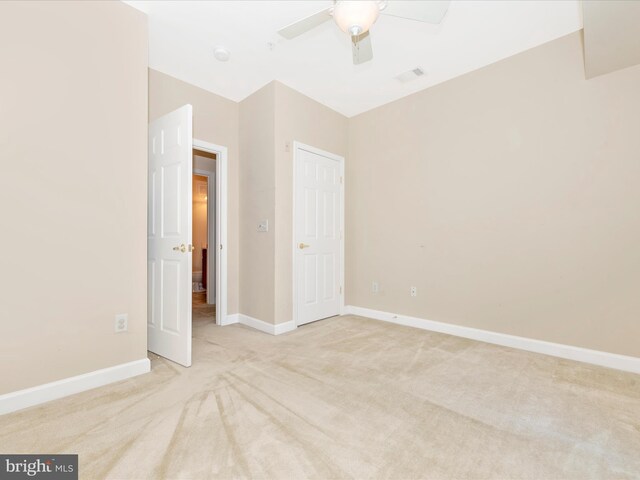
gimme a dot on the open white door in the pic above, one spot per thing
(318, 234)
(169, 236)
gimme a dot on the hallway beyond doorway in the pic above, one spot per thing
(202, 311)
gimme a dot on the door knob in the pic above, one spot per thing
(182, 248)
(303, 245)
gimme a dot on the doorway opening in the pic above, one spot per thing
(210, 161)
(203, 273)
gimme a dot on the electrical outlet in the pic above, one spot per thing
(414, 292)
(122, 323)
(374, 287)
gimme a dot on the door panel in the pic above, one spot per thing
(170, 311)
(169, 228)
(311, 208)
(329, 214)
(318, 236)
(310, 278)
(171, 200)
(151, 292)
(329, 289)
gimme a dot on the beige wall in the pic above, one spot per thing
(298, 118)
(509, 196)
(257, 202)
(73, 129)
(215, 120)
(610, 35)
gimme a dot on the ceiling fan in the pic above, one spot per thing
(355, 17)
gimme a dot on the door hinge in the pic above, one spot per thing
(220, 246)
(340, 289)
(340, 179)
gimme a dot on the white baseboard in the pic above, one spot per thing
(265, 327)
(10, 402)
(257, 324)
(595, 357)
(230, 319)
(285, 327)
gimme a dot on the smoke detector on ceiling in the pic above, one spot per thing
(410, 75)
(221, 54)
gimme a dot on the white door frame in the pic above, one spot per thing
(220, 244)
(298, 146)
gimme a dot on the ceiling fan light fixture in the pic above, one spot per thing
(356, 17)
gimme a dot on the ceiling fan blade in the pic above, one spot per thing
(432, 11)
(306, 24)
(361, 48)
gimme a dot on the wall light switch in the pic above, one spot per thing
(263, 226)
(375, 287)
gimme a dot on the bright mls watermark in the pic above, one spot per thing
(51, 467)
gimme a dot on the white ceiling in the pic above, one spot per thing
(183, 34)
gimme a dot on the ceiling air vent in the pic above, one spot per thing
(410, 75)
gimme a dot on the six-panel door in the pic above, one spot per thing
(317, 233)
(169, 236)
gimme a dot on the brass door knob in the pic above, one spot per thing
(182, 248)
(303, 245)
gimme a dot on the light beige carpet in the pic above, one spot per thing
(346, 398)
